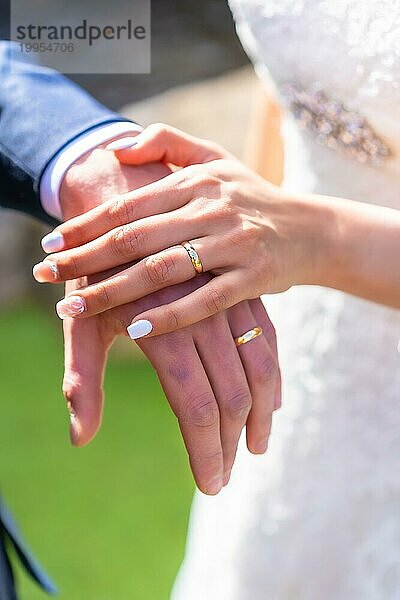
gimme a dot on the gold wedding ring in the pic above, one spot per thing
(194, 257)
(248, 336)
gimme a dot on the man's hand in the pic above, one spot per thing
(213, 387)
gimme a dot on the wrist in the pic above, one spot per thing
(317, 232)
(333, 247)
(72, 199)
(88, 182)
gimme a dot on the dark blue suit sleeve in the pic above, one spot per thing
(40, 112)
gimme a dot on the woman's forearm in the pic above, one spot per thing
(361, 248)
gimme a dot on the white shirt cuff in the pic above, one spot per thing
(53, 175)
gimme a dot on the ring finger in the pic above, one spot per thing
(261, 369)
(121, 246)
(151, 274)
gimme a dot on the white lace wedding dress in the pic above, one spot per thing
(318, 517)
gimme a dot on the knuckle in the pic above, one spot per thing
(121, 210)
(127, 241)
(235, 189)
(200, 411)
(101, 299)
(194, 174)
(228, 214)
(179, 372)
(209, 181)
(216, 300)
(159, 268)
(250, 240)
(267, 371)
(238, 404)
(172, 319)
(205, 463)
(68, 267)
(202, 181)
(221, 168)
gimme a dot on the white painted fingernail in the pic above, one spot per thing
(122, 144)
(45, 271)
(139, 329)
(71, 307)
(53, 242)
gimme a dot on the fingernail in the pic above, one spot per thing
(75, 426)
(53, 242)
(71, 307)
(122, 144)
(214, 486)
(45, 271)
(139, 329)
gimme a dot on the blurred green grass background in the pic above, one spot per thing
(108, 521)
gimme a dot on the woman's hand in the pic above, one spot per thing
(251, 236)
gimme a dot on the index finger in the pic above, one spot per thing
(169, 193)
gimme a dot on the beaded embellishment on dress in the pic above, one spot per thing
(334, 125)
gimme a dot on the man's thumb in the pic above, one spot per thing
(85, 358)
